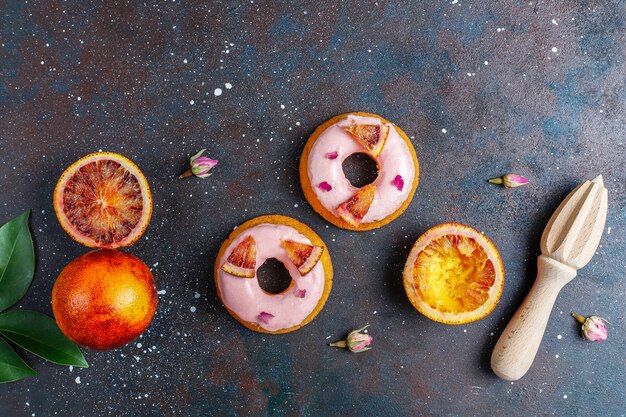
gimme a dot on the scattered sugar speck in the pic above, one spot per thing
(192, 102)
(559, 337)
(193, 309)
(228, 86)
(444, 131)
(554, 49)
(161, 292)
(218, 92)
(139, 345)
(77, 380)
(196, 295)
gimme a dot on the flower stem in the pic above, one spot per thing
(340, 343)
(580, 319)
(186, 174)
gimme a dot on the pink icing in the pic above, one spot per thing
(395, 159)
(248, 301)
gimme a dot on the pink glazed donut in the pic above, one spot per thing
(247, 248)
(329, 191)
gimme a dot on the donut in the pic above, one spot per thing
(332, 195)
(303, 253)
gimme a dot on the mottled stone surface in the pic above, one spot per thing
(482, 88)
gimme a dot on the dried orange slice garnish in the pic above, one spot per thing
(242, 260)
(303, 256)
(371, 137)
(103, 200)
(454, 274)
(356, 207)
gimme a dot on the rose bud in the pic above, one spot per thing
(510, 180)
(356, 341)
(199, 166)
(593, 328)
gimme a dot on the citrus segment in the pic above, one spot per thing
(454, 274)
(302, 255)
(371, 137)
(355, 208)
(242, 260)
(103, 200)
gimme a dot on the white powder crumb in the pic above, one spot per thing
(282, 106)
(193, 309)
(464, 330)
(327, 337)
(295, 205)
(136, 358)
(192, 102)
(79, 98)
(559, 337)
(565, 396)
(162, 292)
(217, 92)
(554, 49)
(608, 231)
(228, 86)
(154, 265)
(139, 345)
(375, 312)
(41, 62)
(444, 131)
(455, 1)
(77, 380)
(71, 368)
(554, 22)
(185, 61)
(556, 356)
(197, 295)
(486, 62)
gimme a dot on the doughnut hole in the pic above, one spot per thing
(360, 169)
(273, 277)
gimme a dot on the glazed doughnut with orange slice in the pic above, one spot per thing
(301, 251)
(454, 274)
(329, 191)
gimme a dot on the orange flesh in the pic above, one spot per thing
(242, 260)
(371, 137)
(357, 206)
(454, 274)
(303, 256)
(103, 201)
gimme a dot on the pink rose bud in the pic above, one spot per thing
(356, 341)
(510, 180)
(332, 155)
(265, 317)
(324, 186)
(593, 328)
(199, 166)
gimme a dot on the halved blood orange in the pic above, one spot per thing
(103, 200)
(242, 260)
(454, 274)
(371, 137)
(302, 255)
(356, 207)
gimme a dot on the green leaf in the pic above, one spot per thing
(17, 260)
(12, 367)
(39, 334)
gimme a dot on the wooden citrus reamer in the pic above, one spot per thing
(568, 242)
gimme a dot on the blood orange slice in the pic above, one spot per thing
(355, 208)
(103, 200)
(454, 274)
(242, 260)
(371, 137)
(302, 255)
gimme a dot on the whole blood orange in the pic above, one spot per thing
(454, 274)
(103, 200)
(104, 299)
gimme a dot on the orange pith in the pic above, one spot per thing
(454, 274)
(103, 200)
(104, 299)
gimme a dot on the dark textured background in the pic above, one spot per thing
(536, 88)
